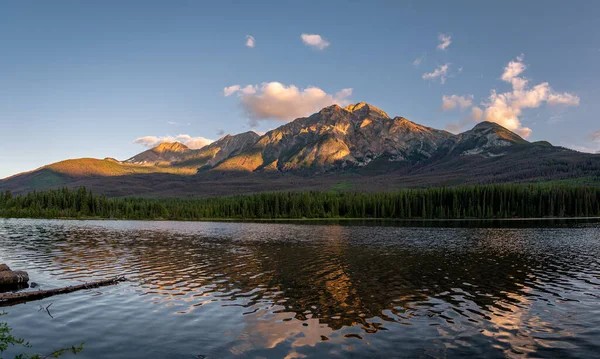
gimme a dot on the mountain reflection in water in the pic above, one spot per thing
(277, 290)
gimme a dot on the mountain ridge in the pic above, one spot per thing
(352, 142)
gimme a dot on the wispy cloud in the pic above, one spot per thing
(250, 41)
(189, 141)
(248, 90)
(230, 90)
(220, 132)
(314, 41)
(445, 41)
(440, 71)
(564, 98)
(419, 60)
(174, 123)
(274, 100)
(505, 108)
(595, 136)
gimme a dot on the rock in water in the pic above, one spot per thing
(9, 277)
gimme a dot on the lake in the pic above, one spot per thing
(294, 290)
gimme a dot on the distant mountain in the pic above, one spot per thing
(359, 146)
(212, 154)
(487, 139)
(164, 153)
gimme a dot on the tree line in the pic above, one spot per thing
(478, 201)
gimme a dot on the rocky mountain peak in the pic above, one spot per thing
(328, 110)
(488, 129)
(165, 152)
(485, 125)
(176, 147)
(363, 110)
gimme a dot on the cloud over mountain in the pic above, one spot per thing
(274, 100)
(189, 141)
(505, 108)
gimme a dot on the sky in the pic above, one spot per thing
(112, 78)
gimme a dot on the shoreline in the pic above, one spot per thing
(267, 220)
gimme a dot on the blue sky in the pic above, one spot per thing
(86, 79)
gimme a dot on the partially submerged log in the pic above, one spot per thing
(11, 298)
(12, 277)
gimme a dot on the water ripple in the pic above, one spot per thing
(289, 290)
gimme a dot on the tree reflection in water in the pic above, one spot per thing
(340, 286)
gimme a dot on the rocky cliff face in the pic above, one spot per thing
(336, 138)
(333, 139)
(212, 154)
(486, 139)
(176, 154)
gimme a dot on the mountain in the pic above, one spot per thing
(356, 147)
(336, 138)
(164, 153)
(212, 154)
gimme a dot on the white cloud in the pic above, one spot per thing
(476, 114)
(248, 90)
(505, 108)
(418, 60)
(453, 101)
(189, 141)
(596, 136)
(230, 90)
(314, 40)
(564, 98)
(440, 71)
(250, 41)
(445, 41)
(513, 69)
(172, 123)
(274, 100)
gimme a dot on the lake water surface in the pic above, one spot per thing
(287, 290)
